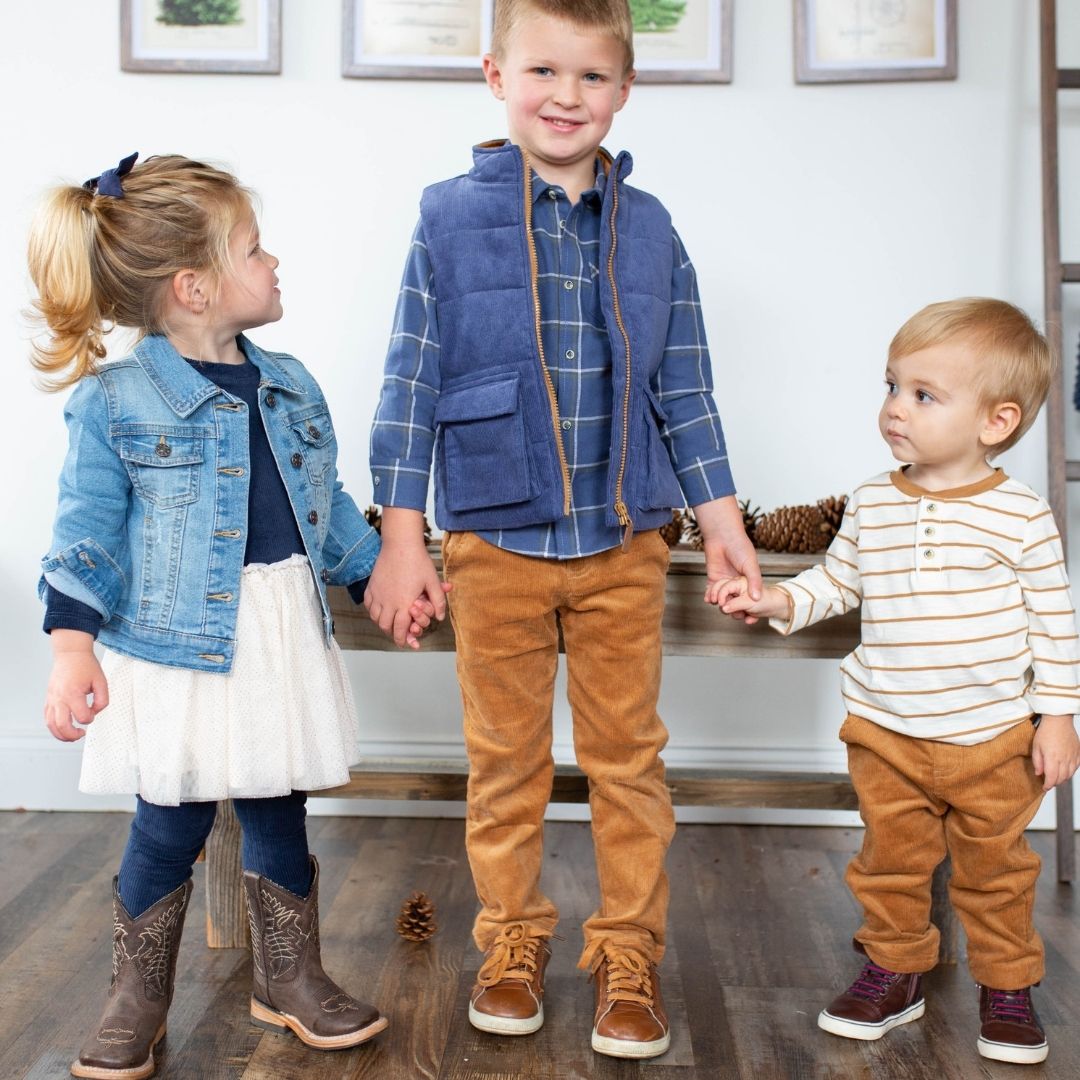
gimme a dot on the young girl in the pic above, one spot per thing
(200, 521)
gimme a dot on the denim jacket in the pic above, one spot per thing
(152, 517)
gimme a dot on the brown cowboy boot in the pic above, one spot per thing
(630, 1021)
(291, 989)
(144, 966)
(508, 995)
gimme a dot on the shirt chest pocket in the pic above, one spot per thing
(163, 463)
(314, 436)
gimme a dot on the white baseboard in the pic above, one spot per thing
(39, 773)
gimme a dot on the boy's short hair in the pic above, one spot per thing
(1014, 359)
(610, 16)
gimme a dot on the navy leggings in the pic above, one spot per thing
(166, 840)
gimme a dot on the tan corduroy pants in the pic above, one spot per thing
(920, 799)
(506, 611)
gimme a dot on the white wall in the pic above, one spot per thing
(818, 217)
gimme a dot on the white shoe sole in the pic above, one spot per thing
(1018, 1055)
(505, 1025)
(853, 1029)
(621, 1048)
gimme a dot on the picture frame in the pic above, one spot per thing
(874, 40)
(683, 41)
(414, 39)
(200, 36)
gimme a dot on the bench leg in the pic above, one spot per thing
(226, 911)
(942, 914)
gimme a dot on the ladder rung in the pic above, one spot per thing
(1068, 78)
(1070, 271)
(1072, 470)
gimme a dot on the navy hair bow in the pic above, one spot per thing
(108, 183)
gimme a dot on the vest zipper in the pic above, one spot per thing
(534, 274)
(620, 506)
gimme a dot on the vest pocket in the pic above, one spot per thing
(484, 447)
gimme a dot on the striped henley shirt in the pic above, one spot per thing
(967, 619)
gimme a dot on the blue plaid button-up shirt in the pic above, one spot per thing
(578, 354)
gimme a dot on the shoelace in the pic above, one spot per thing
(873, 983)
(513, 956)
(628, 978)
(1011, 1005)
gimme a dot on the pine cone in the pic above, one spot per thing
(832, 510)
(673, 530)
(692, 531)
(427, 530)
(798, 529)
(417, 919)
(373, 516)
(750, 517)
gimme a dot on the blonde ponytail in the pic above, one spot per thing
(99, 260)
(60, 254)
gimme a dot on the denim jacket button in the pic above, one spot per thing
(314, 432)
(325, 575)
(313, 517)
(297, 461)
(271, 401)
(163, 449)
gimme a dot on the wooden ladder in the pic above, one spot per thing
(1056, 273)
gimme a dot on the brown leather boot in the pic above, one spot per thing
(144, 966)
(291, 989)
(1010, 1028)
(876, 1002)
(508, 995)
(630, 1021)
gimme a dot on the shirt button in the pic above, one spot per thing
(376, 481)
(313, 517)
(271, 401)
(552, 193)
(562, 224)
(567, 285)
(931, 507)
(566, 425)
(928, 531)
(928, 553)
(297, 461)
(570, 354)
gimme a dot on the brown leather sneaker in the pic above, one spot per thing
(876, 1002)
(629, 1021)
(508, 995)
(1010, 1029)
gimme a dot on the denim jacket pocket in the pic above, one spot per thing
(662, 486)
(484, 448)
(314, 434)
(163, 462)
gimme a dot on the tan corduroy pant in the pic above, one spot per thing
(506, 611)
(920, 799)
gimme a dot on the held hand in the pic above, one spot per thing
(404, 575)
(728, 551)
(733, 598)
(75, 675)
(422, 611)
(1056, 750)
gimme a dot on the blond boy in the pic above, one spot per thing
(961, 695)
(549, 352)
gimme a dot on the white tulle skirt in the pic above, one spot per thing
(282, 719)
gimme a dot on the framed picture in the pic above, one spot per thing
(234, 36)
(874, 40)
(415, 39)
(678, 41)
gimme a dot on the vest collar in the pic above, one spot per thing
(500, 161)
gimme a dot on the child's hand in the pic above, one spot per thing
(1056, 750)
(76, 674)
(422, 611)
(733, 598)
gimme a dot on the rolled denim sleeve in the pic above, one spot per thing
(90, 531)
(684, 387)
(403, 434)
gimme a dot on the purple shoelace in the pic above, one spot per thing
(874, 982)
(1014, 1005)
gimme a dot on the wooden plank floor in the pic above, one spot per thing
(760, 940)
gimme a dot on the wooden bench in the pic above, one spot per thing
(690, 629)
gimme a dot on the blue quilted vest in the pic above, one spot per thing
(499, 460)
